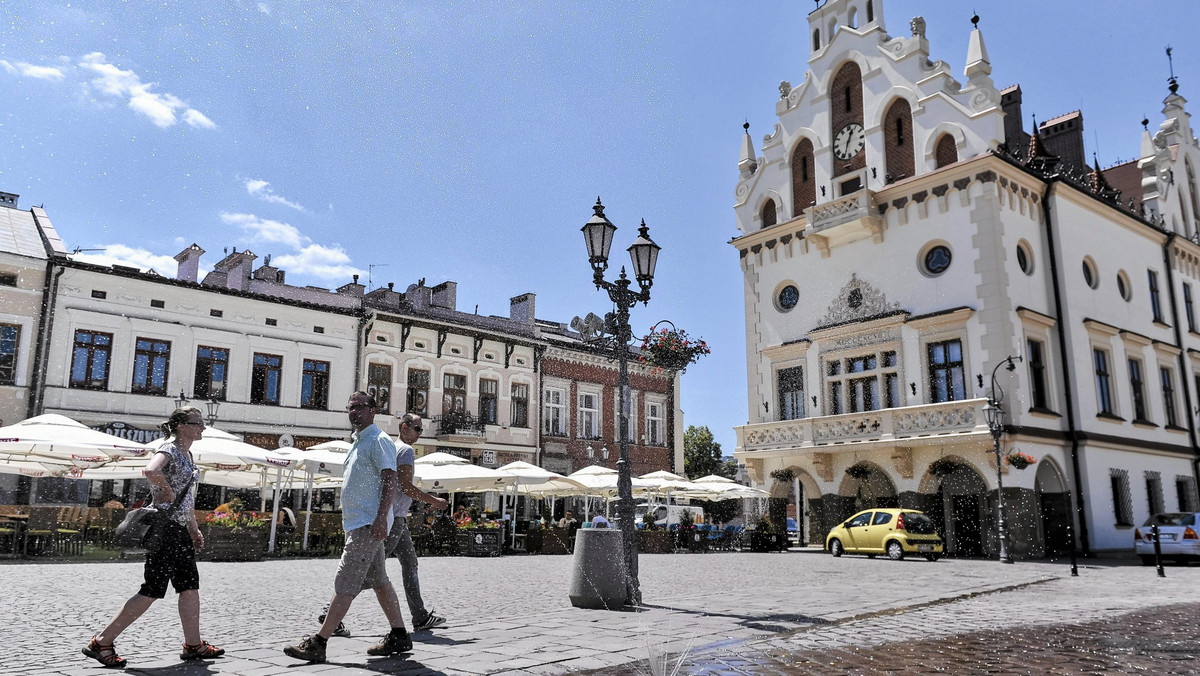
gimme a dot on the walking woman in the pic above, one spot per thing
(171, 472)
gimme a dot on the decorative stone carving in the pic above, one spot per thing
(867, 302)
(859, 340)
(902, 460)
(940, 419)
(754, 469)
(785, 88)
(823, 466)
(847, 427)
(918, 26)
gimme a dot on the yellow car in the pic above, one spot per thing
(894, 532)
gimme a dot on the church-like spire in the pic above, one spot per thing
(747, 165)
(1099, 184)
(1039, 159)
(978, 64)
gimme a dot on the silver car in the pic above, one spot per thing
(1176, 534)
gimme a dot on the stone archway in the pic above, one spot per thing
(1054, 505)
(956, 504)
(867, 485)
(807, 502)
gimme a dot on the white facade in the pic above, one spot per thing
(932, 249)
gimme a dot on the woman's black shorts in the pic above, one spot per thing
(174, 562)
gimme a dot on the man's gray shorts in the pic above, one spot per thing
(362, 565)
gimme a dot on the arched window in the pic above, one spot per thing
(768, 214)
(1191, 177)
(898, 142)
(1183, 211)
(846, 107)
(804, 184)
(946, 152)
(852, 18)
(870, 11)
(816, 39)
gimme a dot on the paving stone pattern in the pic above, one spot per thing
(726, 612)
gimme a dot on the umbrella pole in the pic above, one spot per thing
(308, 511)
(275, 509)
(262, 491)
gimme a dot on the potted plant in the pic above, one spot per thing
(670, 349)
(766, 537)
(1019, 460)
(233, 534)
(652, 539)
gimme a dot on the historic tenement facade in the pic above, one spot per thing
(901, 237)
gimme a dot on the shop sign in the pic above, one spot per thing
(127, 431)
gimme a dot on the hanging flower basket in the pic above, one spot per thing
(670, 349)
(1019, 460)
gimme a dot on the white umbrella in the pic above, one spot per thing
(59, 440)
(440, 458)
(602, 481)
(324, 461)
(714, 479)
(458, 477)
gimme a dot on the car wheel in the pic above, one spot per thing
(1147, 560)
(835, 547)
(932, 557)
(894, 551)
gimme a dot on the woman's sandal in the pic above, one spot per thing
(104, 654)
(203, 651)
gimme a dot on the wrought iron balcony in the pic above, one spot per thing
(459, 424)
(827, 433)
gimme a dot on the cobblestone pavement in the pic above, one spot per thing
(727, 612)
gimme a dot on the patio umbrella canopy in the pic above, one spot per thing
(602, 481)
(57, 440)
(462, 477)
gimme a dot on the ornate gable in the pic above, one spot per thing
(857, 300)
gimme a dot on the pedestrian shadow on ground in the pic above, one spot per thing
(759, 622)
(181, 669)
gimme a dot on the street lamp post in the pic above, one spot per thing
(212, 405)
(995, 420)
(598, 235)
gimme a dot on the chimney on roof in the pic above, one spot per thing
(237, 267)
(189, 263)
(9, 199)
(520, 308)
(445, 295)
(1063, 136)
(352, 289)
(1014, 136)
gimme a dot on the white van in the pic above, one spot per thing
(664, 514)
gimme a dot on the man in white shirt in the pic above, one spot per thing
(399, 541)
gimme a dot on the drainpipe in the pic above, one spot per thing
(358, 350)
(1072, 430)
(37, 387)
(1187, 396)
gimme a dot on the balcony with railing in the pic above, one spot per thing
(459, 424)
(844, 220)
(910, 425)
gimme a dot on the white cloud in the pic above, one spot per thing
(263, 191)
(160, 108)
(308, 258)
(264, 8)
(267, 230)
(120, 254)
(329, 263)
(196, 118)
(29, 70)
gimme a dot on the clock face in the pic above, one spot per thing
(849, 141)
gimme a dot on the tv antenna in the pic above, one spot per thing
(77, 250)
(371, 272)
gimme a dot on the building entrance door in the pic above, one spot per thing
(968, 534)
(1056, 519)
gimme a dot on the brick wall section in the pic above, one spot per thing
(841, 115)
(804, 182)
(946, 152)
(645, 458)
(898, 140)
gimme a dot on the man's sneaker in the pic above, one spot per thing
(429, 622)
(311, 649)
(392, 644)
(341, 631)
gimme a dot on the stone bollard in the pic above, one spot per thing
(598, 574)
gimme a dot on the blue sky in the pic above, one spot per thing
(468, 141)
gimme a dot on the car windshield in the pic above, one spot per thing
(1172, 519)
(918, 523)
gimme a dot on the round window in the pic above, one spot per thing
(788, 297)
(1089, 274)
(1025, 257)
(1123, 286)
(937, 259)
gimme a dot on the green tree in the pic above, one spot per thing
(701, 457)
(701, 453)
